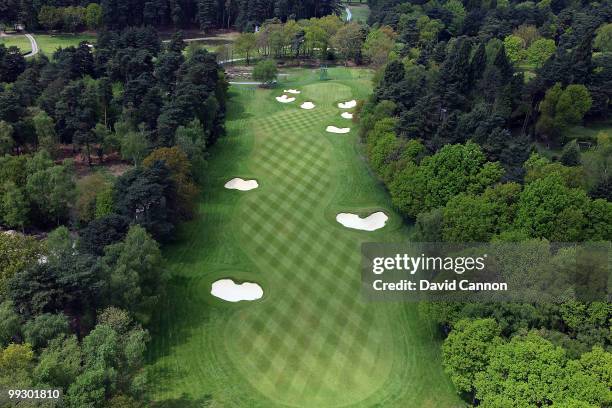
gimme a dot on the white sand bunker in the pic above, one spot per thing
(307, 105)
(333, 129)
(285, 99)
(348, 104)
(292, 91)
(240, 184)
(372, 222)
(347, 115)
(227, 289)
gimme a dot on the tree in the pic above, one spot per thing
(50, 17)
(572, 105)
(17, 252)
(378, 44)
(348, 41)
(43, 328)
(93, 16)
(10, 323)
(466, 351)
(52, 191)
(59, 363)
(6, 137)
(14, 206)
(571, 154)
(245, 44)
(454, 169)
(515, 48)
(102, 232)
(133, 272)
(12, 64)
(45, 131)
(548, 209)
(147, 196)
(540, 51)
(603, 39)
(531, 371)
(266, 72)
(134, 146)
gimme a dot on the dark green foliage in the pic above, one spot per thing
(147, 196)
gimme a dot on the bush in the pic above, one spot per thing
(266, 72)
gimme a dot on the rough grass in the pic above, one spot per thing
(311, 341)
(19, 41)
(48, 43)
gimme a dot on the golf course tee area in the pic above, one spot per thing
(310, 340)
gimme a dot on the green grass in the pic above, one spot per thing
(48, 43)
(311, 341)
(19, 41)
(360, 12)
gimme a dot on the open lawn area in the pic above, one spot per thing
(48, 43)
(19, 41)
(360, 12)
(311, 341)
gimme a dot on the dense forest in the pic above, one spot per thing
(117, 14)
(475, 127)
(74, 305)
(472, 129)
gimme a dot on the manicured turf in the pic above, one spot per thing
(360, 12)
(311, 341)
(48, 44)
(19, 41)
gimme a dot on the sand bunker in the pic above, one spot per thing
(285, 99)
(372, 222)
(333, 129)
(307, 105)
(347, 115)
(348, 104)
(240, 184)
(292, 91)
(227, 289)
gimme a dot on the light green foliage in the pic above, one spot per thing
(540, 50)
(133, 269)
(88, 189)
(466, 350)
(93, 16)
(469, 218)
(245, 44)
(60, 362)
(549, 209)
(134, 146)
(16, 362)
(45, 131)
(603, 39)
(51, 187)
(16, 253)
(562, 108)
(458, 11)
(265, 71)
(40, 330)
(378, 44)
(538, 166)
(515, 48)
(531, 363)
(573, 103)
(104, 202)
(14, 206)
(438, 178)
(10, 323)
